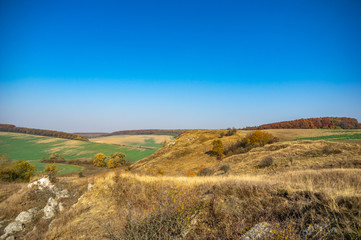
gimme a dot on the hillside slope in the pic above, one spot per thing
(188, 153)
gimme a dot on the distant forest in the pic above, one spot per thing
(312, 123)
(41, 132)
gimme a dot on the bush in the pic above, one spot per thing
(51, 170)
(80, 174)
(218, 148)
(266, 162)
(19, 170)
(205, 172)
(231, 131)
(259, 139)
(99, 160)
(225, 168)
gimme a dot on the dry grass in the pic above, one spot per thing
(131, 139)
(130, 206)
(188, 153)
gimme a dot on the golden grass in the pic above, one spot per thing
(188, 153)
(131, 139)
(233, 203)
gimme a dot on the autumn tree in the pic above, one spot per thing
(51, 170)
(218, 148)
(99, 160)
(117, 160)
(111, 163)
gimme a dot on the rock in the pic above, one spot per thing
(26, 216)
(50, 208)
(312, 229)
(90, 186)
(259, 231)
(49, 212)
(10, 238)
(51, 224)
(42, 183)
(13, 227)
(62, 194)
(61, 207)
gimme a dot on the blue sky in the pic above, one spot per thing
(112, 65)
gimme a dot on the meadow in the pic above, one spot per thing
(63, 168)
(30, 147)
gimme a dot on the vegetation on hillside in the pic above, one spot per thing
(15, 170)
(41, 132)
(311, 123)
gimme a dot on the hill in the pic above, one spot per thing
(310, 123)
(189, 152)
(41, 132)
(292, 189)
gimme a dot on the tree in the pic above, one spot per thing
(111, 163)
(99, 160)
(24, 170)
(119, 159)
(218, 148)
(51, 170)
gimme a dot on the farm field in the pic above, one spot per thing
(64, 168)
(149, 141)
(20, 146)
(313, 134)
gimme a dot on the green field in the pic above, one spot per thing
(64, 168)
(20, 146)
(336, 137)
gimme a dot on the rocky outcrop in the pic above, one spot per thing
(259, 231)
(26, 216)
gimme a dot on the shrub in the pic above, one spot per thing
(218, 148)
(51, 170)
(99, 160)
(205, 172)
(111, 163)
(80, 174)
(20, 170)
(225, 168)
(266, 162)
(231, 131)
(259, 139)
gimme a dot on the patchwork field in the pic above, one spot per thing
(30, 147)
(149, 141)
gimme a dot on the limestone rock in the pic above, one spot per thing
(259, 231)
(26, 216)
(13, 227)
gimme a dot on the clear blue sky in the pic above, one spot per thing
(112, 65)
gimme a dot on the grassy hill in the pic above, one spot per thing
(311, 189)
(188, 153)
(32, 147)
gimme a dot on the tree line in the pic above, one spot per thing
(312, 123)
(41, 132)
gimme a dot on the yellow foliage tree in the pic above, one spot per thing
(111, 163)
(99, 160)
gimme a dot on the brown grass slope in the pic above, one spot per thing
(188, 153)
